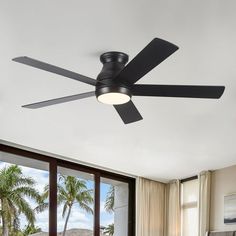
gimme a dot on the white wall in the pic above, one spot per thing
(223, 183)
(121, 210)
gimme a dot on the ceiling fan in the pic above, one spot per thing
(115, 84)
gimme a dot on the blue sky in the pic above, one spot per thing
(78, 218)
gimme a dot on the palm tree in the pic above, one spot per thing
(109, 203)
(109, 207)
(31, 229)
(109, 230)
(14, 187)
(70, 190)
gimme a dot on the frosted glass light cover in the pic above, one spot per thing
(113, 98)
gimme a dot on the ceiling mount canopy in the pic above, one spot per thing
(115, 84)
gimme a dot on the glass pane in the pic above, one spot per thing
(114, 207)
(190, 191)
(24, 208)
(190, 222)
(189, 213)
(75, 202)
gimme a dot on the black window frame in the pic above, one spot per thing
(54, 163)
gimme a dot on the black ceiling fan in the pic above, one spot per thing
(115, 84)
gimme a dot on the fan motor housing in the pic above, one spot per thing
(113, 63)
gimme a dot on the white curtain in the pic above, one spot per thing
(173, 209)
(150, 208)
(204, 202)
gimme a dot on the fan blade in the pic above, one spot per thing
(152, 55)
(187, 91)
(128, 112)
(54, 69)
(59, 100)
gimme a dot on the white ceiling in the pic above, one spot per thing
(177, 138)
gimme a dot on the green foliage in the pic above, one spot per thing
(109, 207)
(31, 229)
(109, 203)
(14, 188)
(109, 230)
(71, 191)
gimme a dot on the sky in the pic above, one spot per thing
(78, 218)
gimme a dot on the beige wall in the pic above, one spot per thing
(223, 183)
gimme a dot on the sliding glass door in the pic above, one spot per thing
(114, 207)
(48, 196)
(75, 199)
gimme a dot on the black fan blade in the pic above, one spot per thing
(128, 112)
(54, 69)
(152, 55)
(59, 100)
(187, 91)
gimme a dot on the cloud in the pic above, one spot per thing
(78, 219)
(40, 176)
(106, 218)
(102, 207)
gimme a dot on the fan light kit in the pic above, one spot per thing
(115, 84)
(113, 98)
(115, 94)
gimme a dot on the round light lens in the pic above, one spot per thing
(113, 98)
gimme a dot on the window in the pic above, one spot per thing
(189, 208)
(66, 198)
(114, 207)
(21, 186)
(75, 204)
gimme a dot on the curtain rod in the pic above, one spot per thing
(189, 179)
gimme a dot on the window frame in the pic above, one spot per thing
(54, 163)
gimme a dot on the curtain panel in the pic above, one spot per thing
(150, 208)
(204, 202)
(173, 209)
